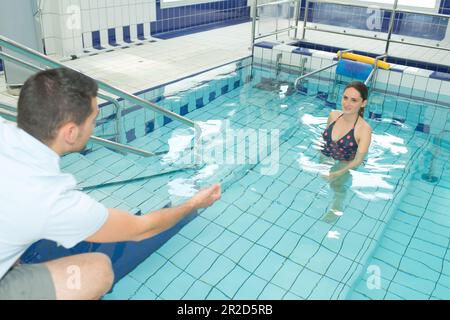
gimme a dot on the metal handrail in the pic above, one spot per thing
(388, 39)
(313, 72)
(321, 69)
(254, 10)
(10, 114)
(375, 68)
(41, 58)
(34, 68)
(380, 6)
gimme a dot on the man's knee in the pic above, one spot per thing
(102, 263)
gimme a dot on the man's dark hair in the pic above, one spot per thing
(52, 98)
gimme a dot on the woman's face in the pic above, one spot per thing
(352, 101)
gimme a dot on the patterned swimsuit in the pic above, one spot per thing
(343, 149)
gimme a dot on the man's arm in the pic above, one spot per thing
(123, 226)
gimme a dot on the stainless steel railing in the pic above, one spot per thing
(10, 113)
(43, 59)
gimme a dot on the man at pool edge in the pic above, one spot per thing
(347, 139)
(56, 115)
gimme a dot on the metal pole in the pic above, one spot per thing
(305, 18)
(254, 13)
(41, 58)
(296, 17)
(391, 27)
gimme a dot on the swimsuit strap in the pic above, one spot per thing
(356, 121)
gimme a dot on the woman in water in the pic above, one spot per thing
(347, 138)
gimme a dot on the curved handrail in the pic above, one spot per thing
(41, 58)
(33, 68)
(10, 114)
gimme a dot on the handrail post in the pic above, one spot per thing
(41, 58)
(305, 19)
(296, 16)
(391, 27)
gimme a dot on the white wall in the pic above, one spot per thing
(67, 22)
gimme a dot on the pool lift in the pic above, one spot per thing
(348, 64)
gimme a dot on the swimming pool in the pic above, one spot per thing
(269, 236)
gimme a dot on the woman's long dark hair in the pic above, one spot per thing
(363, 91)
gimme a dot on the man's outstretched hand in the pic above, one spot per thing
(206, 197)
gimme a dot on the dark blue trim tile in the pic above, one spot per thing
(265, 44)
(184, 110)
(131, 135)
(331, 104)
(86, 151)
(224, 89)
(140, 31)
(237, 83)
(96, 43)
(131, 109)
(126, 34)
(199, 103)
(302, 51)
(112, 37)
(440, 76)
(149, 126)
(322, 95)
(212, 96)
(167, 120)
(374, 116)
(425, 128)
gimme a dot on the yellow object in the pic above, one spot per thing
(357, 57)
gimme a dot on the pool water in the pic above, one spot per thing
(271, 235)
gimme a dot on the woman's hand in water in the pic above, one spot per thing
(330, 176)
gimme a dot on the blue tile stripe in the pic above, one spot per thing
(169, 20)
(266, 44)
(393, 60)
(440, 72)
(151, 125)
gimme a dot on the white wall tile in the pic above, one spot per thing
(85, 21)
(102, 18)
(117, 16)
(84, 4)
(420, 83)
(395, 78)
(125, 16)
(445, 90)
(132, 14)
(133, 32)
(87, 39)
(95, 24)
(104, 41)
(146, 30)
(110, 17)
(140, 13)
(434, 85)
(93, 4)
(119, 35)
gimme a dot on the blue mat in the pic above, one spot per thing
(125, 256)
(354, 69)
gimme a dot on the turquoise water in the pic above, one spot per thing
(269, 237)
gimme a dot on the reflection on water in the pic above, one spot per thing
(373, 180)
